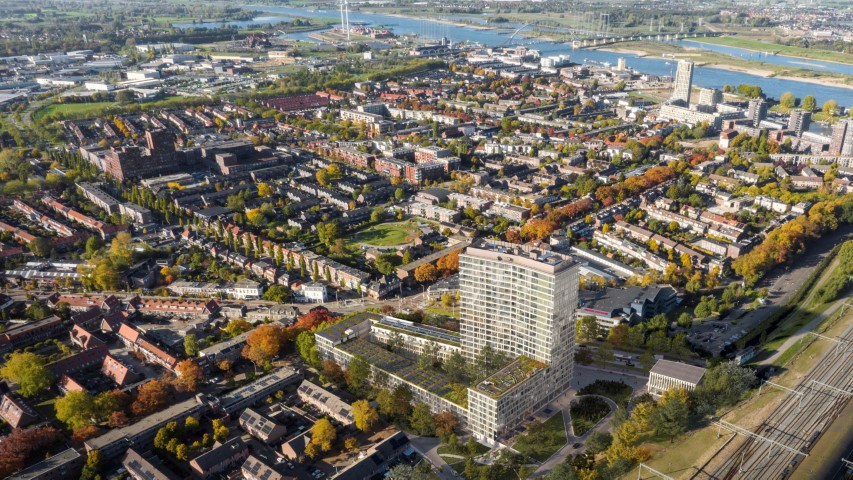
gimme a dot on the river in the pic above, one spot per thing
(709, 77)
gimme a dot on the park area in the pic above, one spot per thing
(73, 109)
(386, 235)
(543, 439)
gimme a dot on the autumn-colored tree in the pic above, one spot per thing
(513, 235)
(446, 424)
(118, 419)
(264, 343)
(237, 326)
(151, 397)
(448, 264)
(364, 415)
(312, 320)
(426, 273)
(323, 434)
(265, 190)
(332, 372)
(84, 433)
(22, 446)
(537, 229)
(190, 376)
(618, 335)
(351, 444)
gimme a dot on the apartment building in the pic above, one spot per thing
(519, 301)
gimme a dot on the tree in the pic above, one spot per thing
(446, 424)
(605, 352)
(191, 424)
(429, 355)
(306, 347)
(455, 366)
(618, 335)
(264, 344)
(76, 409)
(329, 232)
(29, 371)
(351, 444)
(598, 441)
(364, 415)
(323, 434)
(190, 375)
(322, 177)
(809, 104)
(788, 100)
(121, 248)
(265, 190)
(220, 431)
(105, 275)
(21, 447)
(377, 215)
(84, 433)
(399, 194)
(830, 107)
(40, 247)
(402, 400)
(332, 372)
(426, 273)
(93, 245)
(277, 293)
(647, 360)
(191, 347)
(358, 375)
(407, 256)
(672, 413)
(237, 326)
(151, 397)
(725, 384)
(587, 328)
(421, 420)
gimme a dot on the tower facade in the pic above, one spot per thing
(683, 81)
(520, 302)
(757, 111)
(799, 121)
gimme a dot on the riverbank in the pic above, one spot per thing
(706, 58)
(436, 20)
(788, 51)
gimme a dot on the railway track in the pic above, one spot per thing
(797, 422)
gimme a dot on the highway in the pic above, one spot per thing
(796, 423)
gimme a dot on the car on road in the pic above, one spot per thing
(576, 446)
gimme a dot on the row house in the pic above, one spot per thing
(628, 248)
(80, 303)
(134, 340)
(16, 412)
(666, 216)
(467, 201)
(30, 333)
(432, 212)
(803, 182)
(195, 309)
(103, 229)
(119, 372)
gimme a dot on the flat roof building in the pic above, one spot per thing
(667, 374)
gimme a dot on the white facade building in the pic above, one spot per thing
(667, 374)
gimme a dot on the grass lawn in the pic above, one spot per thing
(782, 49)
(73, 108)
(386, 234)
(543, 440)
(457, 464)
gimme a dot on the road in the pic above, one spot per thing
(781, 283)
(794, 425)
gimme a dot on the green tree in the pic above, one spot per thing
(455, 366)
(329, 232)
(191, 347)
(358, 375)
(76, 409)
(277, 293)
(40, 247)
(587, 328)
(29, 371)
(598, 441)
(399, 194)
(670, 417)
(421, 420)
(93, 245)
(787, 100)
(306, 347)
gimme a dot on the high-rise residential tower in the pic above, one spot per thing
(519, 302)
(683, 81)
